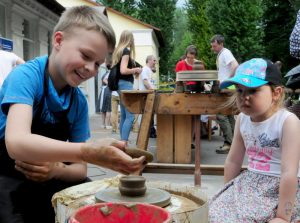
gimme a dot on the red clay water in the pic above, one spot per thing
(121, 213)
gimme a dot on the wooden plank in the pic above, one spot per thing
(168, 168)
(193, 104)
(143, 135)
(134, 101)
(164, 141)
(182, 138)
(197, 172)
(180, 103)
(197, 75)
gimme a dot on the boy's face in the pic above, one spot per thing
(77, 56)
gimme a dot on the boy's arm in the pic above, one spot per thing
(43, 171)
(23, 145)
(289, 168)
(235, 156)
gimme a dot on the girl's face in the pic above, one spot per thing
(190, 58)
(259, 103)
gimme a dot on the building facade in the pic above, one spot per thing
(29, 24)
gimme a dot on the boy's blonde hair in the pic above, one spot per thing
(88, 18)
(126, 40)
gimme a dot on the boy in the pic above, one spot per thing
(44, 120)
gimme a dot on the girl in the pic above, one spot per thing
(123, 59)
(269, 190)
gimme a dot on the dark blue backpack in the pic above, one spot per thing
(113, 78)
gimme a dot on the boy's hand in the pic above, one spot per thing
(110, 153)
(36, 171)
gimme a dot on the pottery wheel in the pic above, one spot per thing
(153, 196)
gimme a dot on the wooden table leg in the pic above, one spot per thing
(165, 139)
(143, 135)
(197, 172)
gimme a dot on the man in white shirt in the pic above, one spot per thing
(146, 82)
(8, 61)
(226, 65)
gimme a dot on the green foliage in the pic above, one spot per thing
(279, 21)
(161, 15)
(295, 4)
(128, 7)
(240, 22)
(201, 32)
(182, 38)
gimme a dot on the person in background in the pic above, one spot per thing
(295, 38)
(146, 83)
(269, 190)
(105, 100)
(115, 102)
(123, 57)
(44, 120)
(187, 64)
(8, 61)
(226, 64)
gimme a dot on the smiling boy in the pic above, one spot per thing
(44, 120)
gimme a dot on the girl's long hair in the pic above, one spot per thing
(126, 40)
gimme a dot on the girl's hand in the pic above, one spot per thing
(36, 171)
(137, 70)
(278, 220)
(110, 153)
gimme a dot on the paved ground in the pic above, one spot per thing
(210, 184)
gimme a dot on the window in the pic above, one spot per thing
(28, 45)
(2, 20)
(49, 42)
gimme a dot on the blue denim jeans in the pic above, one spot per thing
(127, 118)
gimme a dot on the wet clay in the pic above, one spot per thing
(136, 153)
(132, 185)
(152, 196)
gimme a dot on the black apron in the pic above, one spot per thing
(22, 200)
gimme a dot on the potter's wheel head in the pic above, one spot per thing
(152, 196)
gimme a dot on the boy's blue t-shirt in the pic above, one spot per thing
(25, 85)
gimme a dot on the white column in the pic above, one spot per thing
(17, 33)
(43, 40)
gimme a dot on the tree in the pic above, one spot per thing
(182, 37)
(295, 4)
(240, 22)
(279, 20)
(128, 7)
(201, 32)
(161, 15)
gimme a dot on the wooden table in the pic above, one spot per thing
(174, 123)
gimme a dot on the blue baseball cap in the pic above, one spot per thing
(254, 73)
